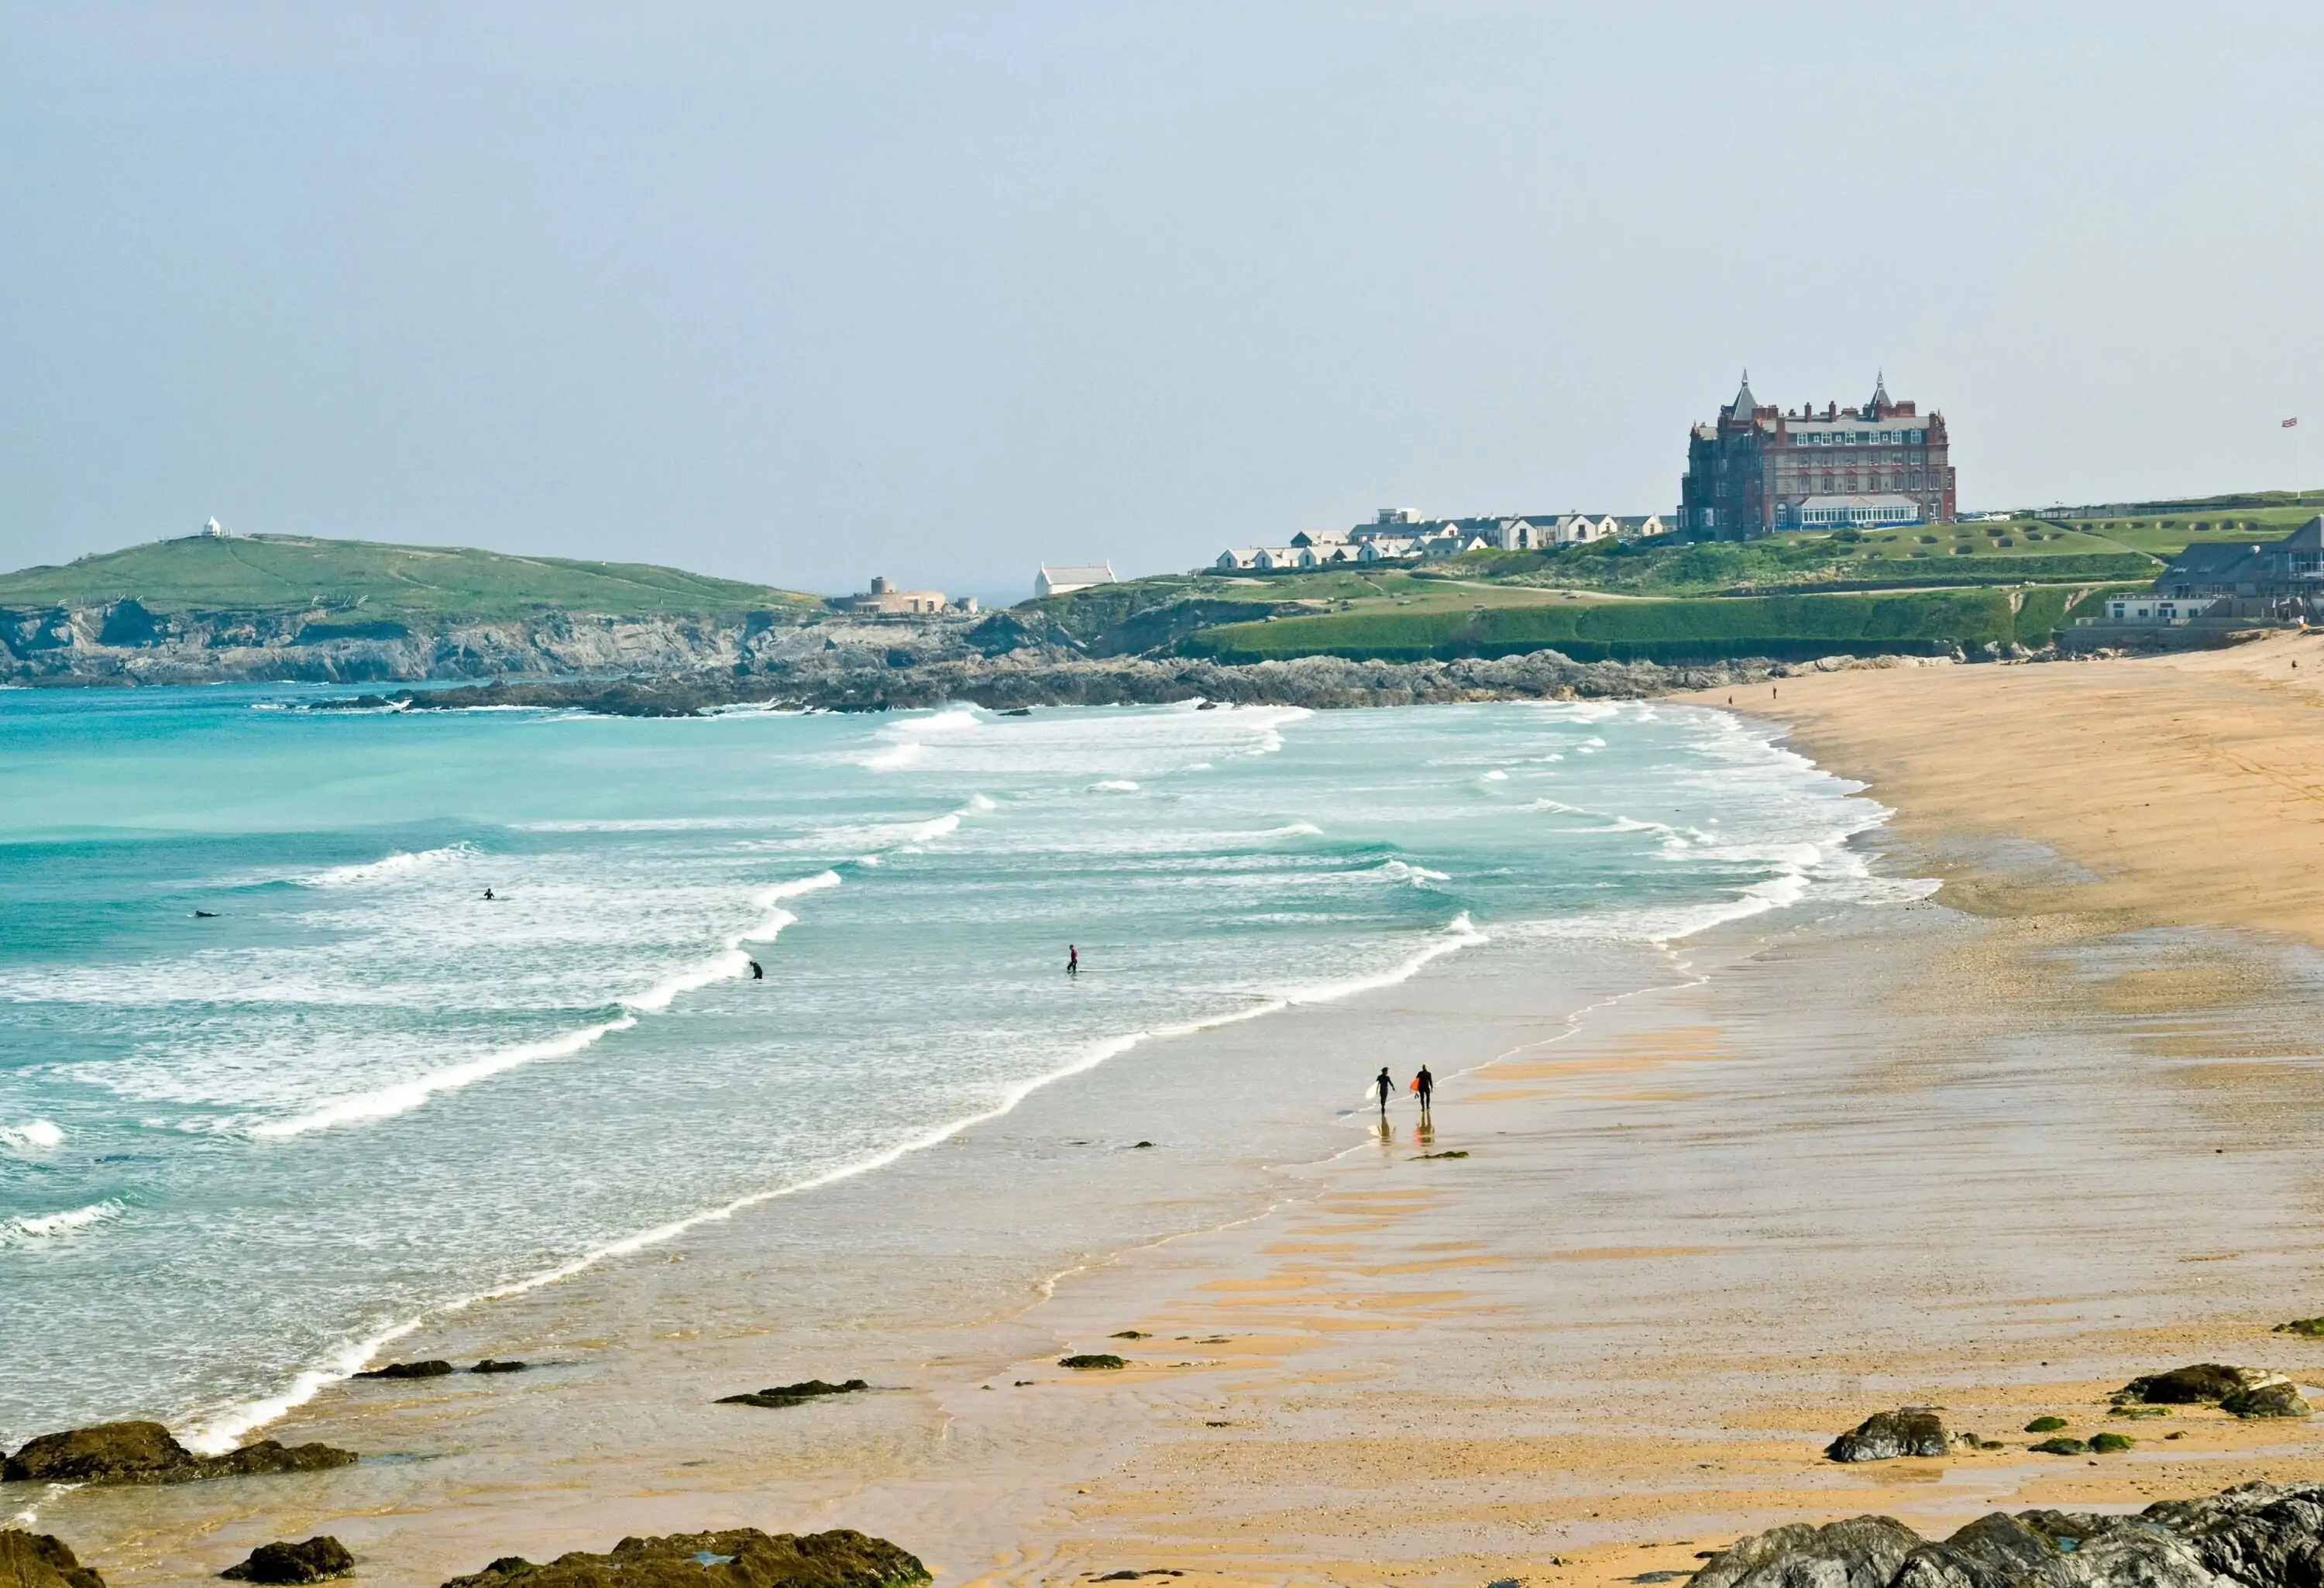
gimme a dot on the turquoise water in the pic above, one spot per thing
(239, 1150)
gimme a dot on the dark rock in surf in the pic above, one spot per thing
(39, 1560)
(2199, 1384)
(145, 1453)
(489, 1366)
(311, 1560)
(793, 1394)
(409, 1370)
(1886, 1436)
(739, 1557)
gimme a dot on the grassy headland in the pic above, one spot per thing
(361, 583)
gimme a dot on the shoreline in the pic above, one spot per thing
(2000, 1158)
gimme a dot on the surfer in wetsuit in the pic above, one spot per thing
(1424, 1085)
(758, 971)
(1384, 1084)
(1072, 960)
(488, 896)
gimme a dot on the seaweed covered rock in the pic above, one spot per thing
(739, 1557)
(491, 1366)
(38, 1560)
(1093, 1362)
(2279, 1399)
(797, 1394)
(1885, 1435)
(311, 1560)
(2200, 1383)
(145, 1453)
(409, 1370)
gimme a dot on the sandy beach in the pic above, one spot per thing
(1997, 1150)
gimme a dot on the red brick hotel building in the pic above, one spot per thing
(1760, 468)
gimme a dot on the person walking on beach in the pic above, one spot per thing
(1384, 1084)
(1424, 1084)
(1072, 960)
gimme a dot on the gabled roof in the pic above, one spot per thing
(1084, 572)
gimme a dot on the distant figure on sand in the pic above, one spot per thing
(1072, 960)
(1424, 1084)
(758, 971)
(1386, 1084)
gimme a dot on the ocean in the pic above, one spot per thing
(279, 1082)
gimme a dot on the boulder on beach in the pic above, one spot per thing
(409, 1370)
(1885, 1435)
(489, 1366)
(2063, 1444)
(2279, 1399)
(38, 1560)
(145, 1453)
(2312, 1327)
(1092, 1361)
(2257, 1536)
(797, 1394)
(739, 1557)
(311, 1560)
(2200, 1383)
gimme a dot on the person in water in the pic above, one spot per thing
(1424, 1085)
(488, 896)
(1384, 1084)
(1072, 960)
(758, 971)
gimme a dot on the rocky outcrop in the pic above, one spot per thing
(489, 1366)
(2258, 1536)
(409, 1370)
(311, 1560)
(1885, 1435)
(2277, 1399)
(145, 1453)
(1023, 679)
(797, 1394)
(2201, 1383)
(37, 1560)
(739, 1557)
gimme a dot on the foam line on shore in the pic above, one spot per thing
(223, 1431)
(50, 1226)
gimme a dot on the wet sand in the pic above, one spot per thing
(1997, 1152)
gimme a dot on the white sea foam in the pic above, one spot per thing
(402, 1096)
(1114, 786)
(401, 864)
(1496, 776)
(36, 1228)
(33, 1135)
(1401, 870)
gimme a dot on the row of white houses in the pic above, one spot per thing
(1397, 535)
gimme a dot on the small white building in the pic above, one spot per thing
(2167, 610)
(1235, 558)
(884, 599)
(1066, 579)
(1828, 512)
(1388, 549)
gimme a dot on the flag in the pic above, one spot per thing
(2290, 422)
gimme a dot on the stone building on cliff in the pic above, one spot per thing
(1761, 467)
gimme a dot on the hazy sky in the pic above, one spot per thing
(801, 293)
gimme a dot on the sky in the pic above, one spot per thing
(801, 293)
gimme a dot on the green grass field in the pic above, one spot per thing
(1785, 627)
(364, 582)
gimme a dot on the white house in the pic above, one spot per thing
(1275, 559)
(1388, 549)
(1064, 581)
(1237, 557)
